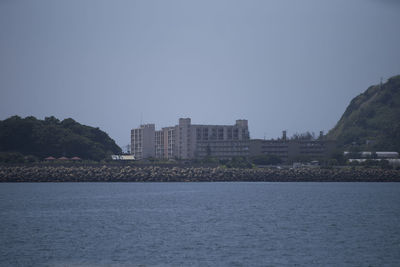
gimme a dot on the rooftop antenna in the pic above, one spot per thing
(284, 132)
(141, 118)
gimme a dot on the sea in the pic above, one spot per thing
(200, 224)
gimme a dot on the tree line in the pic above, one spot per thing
(37, 138)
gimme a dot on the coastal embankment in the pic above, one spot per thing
(104, 173)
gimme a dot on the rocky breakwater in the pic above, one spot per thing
(189, 174)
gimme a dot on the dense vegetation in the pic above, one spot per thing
(372, 120)
(31, 137)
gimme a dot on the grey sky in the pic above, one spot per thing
(280, 64)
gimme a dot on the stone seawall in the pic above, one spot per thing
(189, 174)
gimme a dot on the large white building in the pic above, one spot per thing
(143, 141)
(188, 141)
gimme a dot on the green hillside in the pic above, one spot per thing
(372, 119)
(52, 137)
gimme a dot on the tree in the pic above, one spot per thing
(303, 136)
(239, 162)
(266, 160)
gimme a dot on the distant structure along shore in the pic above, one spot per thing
(192, 141)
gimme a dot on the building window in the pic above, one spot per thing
(198, 134)
(205, 133)
(221, 134)
(236, 133)
(213, 134)
(229, 134)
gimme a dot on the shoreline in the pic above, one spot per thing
(103, 173)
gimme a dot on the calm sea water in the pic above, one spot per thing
(200, 224)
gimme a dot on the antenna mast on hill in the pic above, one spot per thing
(381, 84)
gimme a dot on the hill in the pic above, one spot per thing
(372, 119)
(52, 137)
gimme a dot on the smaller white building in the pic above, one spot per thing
(123, 157)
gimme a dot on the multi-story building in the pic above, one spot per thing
(169, 142)
(143, 141)
(188, 141)
(222, 141)
(288, 149)
(165, 143)
(159, 144)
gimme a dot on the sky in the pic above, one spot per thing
(281, 64)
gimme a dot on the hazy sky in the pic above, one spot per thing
(281, 64)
